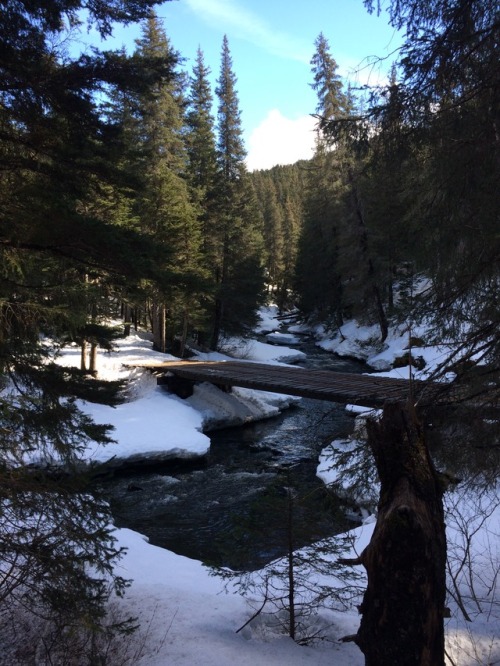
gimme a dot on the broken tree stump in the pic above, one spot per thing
(403, 606)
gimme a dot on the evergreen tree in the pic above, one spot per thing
(327, 84)
(57, 150)
(203, 173)
(201, 132)
(318, 281)
(337, 234)
(231, 151)
(318, 278)
(386, 177)
(446, 124)
(279, 193)
(238, 274)
(165, 208)
(272, 225)
(448, 103)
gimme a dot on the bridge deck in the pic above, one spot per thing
(366, 390)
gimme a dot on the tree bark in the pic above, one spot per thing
(219, 308)
(159, 326)
(363, 246)
(127, 315)
(93, 358)
(83, 355)
(403, 606)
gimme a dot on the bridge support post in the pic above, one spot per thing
(183, 388)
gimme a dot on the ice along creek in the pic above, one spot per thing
(212, 511)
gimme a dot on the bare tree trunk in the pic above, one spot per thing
(363, 246)
(164, 329)
(93, 358)
(403, 606)
(185, 321)
(127, 314)
(291, 572)
(219, 308)
(83, 355)
(159, 326)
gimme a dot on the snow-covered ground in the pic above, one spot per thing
(186, 617)
(154, 424)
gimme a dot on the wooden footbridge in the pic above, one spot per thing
(365, 390)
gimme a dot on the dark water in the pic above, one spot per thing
(227, 512)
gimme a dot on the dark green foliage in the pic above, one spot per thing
(279, 193)
(164, 207)
(65, 255)
(56, 542)
(230, 147)
(201, 138)
(332, 102)
(318, 280)
(237, 270)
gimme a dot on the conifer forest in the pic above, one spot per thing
(125, 196)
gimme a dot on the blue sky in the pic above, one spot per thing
(271, 43)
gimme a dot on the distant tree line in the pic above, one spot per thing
(403, 184)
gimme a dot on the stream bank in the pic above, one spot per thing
(202, 510)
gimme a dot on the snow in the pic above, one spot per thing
(155, 425)
(267, 319)
(186, 617)
(354, 340)
(191, 621)
(278, 338)
(262, 352)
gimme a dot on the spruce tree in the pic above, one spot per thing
(280, 194)
(165, 208)
(231, 150)
(56, 149)
(318, 276)
(448, 103)
(201, 131)
(203, 172)
(327, 83)
(237, 270)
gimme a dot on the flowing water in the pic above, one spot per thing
(218, 510)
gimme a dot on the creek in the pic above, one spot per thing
(215, 510)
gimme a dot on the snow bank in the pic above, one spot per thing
(155, 425)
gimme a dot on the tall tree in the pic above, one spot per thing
(449, 101)
(318, 278)
(327, 83)
(203, 171)
(343, 225)
(55, 148)
(231, 150)
(238, 273)
(201, 131)
(165, 208)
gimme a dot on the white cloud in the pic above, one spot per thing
(280, 140)
(245, 24)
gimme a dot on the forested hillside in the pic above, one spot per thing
(400, 195)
